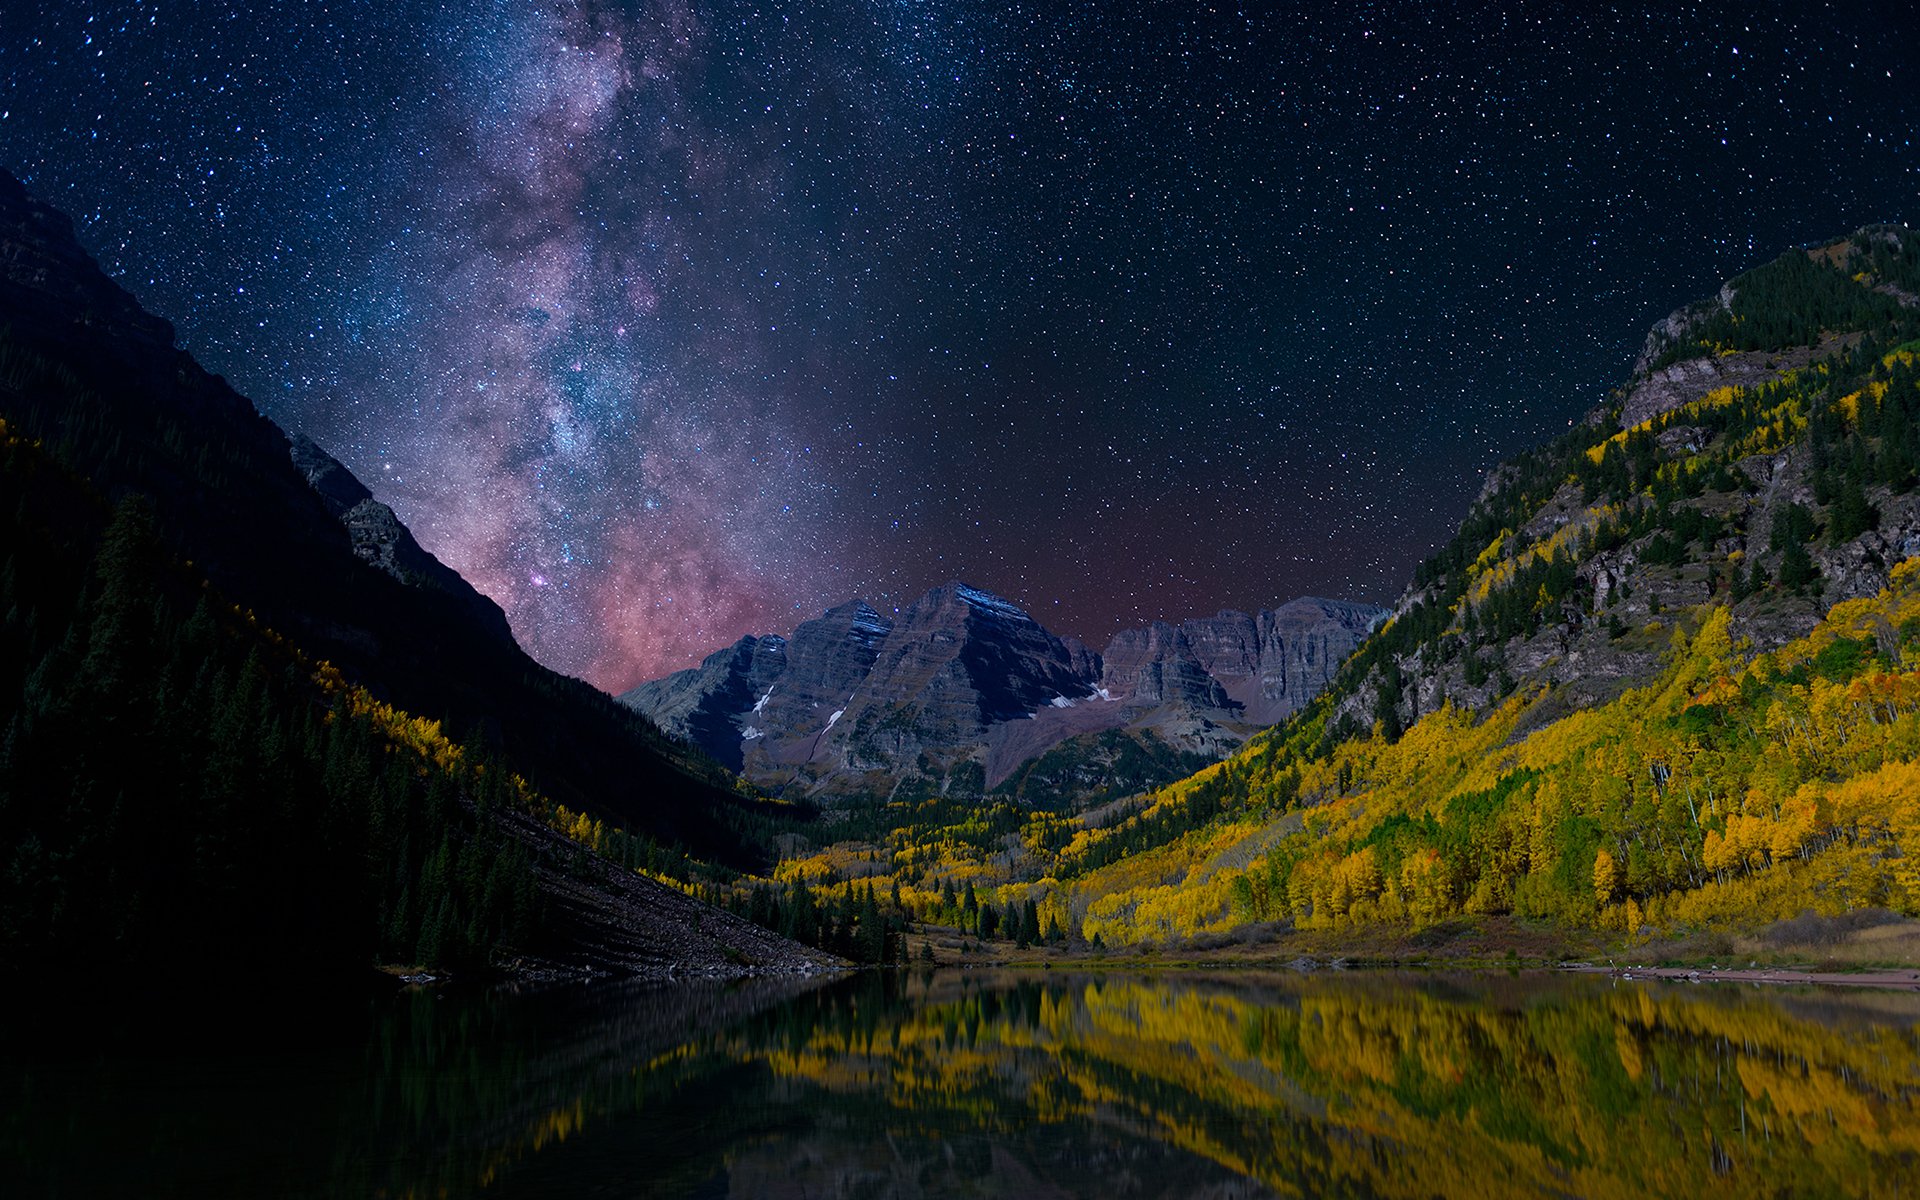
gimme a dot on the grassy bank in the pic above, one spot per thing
(1864, 940)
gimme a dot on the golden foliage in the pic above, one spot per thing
(1726, 791)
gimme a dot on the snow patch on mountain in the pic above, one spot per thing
(868, 625)
(991, 604)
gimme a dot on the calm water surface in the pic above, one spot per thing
(1011, 1084)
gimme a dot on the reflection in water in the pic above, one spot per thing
(1032, 1084)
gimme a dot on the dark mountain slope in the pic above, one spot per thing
(136, 415)
(182, 776)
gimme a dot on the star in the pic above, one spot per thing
(622, 303)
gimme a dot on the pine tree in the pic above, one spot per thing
(120, 637)
(1851, 515)
(1796, 568)
(873, 929)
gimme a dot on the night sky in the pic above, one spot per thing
(667, 322)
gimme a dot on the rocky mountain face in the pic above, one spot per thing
(826, 659)
(1760, 454)
(1157, 665)
(382, 541)
(704, 705)
(966, 692)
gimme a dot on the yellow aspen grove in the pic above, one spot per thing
(1729, 790)
(1606, 877)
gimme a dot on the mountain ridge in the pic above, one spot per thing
(1694, 372)
(965, 688)
(245, 715)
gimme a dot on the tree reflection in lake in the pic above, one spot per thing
(1032, 1084)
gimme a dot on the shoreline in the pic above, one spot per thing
(1864, 948)
(1885, 978)
(1895, 979)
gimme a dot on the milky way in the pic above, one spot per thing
(665, 323)
(596, 465)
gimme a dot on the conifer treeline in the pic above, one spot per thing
(858, 923)
(175, 790)
(1016, 922)
(855, 925)
(1801, 296)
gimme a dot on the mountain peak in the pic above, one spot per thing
(977, 599)
(862, 621)
(987, 601)
(966, 687)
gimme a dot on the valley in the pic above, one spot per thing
(686, 598)
(1655, 686)
(1658, 684)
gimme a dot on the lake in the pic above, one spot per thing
(976, 1083)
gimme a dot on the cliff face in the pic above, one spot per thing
(966, 689)
(1157, 665)
(1273, 663)
(826, 659)
(959, 661)
(711, 704)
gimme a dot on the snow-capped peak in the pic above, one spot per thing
(991, 604)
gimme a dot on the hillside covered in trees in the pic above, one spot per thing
(1665, 678)
(227, 732)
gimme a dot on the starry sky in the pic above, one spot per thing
(669, 321)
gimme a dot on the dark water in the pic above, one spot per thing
(978, 1084)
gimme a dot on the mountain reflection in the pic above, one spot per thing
(1035, 1084)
